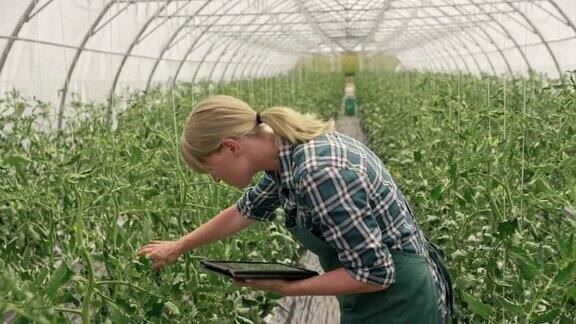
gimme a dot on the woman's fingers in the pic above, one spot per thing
(143, 250)
(158, 264)
(160, 252)
(148, 247)
(152, 253)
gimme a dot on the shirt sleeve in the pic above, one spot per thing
(339, 197)
(260, 201)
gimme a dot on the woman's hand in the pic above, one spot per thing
(278, 286)
(161, 252)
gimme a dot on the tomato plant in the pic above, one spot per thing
(489, 165)
(76, 204)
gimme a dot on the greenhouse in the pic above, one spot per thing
(379, 145)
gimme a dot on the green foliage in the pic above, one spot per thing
(489, 165)
(75, 205)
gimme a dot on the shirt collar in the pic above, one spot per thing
(284, 174)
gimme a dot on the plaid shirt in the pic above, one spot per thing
(343, 194)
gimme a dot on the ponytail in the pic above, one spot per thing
(220, 117)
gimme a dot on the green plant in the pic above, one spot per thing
(75, 205)
(489, 165)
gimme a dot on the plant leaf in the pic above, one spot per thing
(476, 305)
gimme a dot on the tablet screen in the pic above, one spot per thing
(241, 266)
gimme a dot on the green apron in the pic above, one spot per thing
(412, 298)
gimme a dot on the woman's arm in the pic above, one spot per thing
(226, 223)
(335, 282)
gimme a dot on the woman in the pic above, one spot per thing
(340, 203)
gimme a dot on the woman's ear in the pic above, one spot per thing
(233, 145)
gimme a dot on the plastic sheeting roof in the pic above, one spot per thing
(51, 48)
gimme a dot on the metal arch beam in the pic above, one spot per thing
(428, 65)
(449, 67)
(491, 39)
(415, 63)
(296, 35)
(452, 45)
(443, 63)
(252, 53)
(273, 71)
(252, 63)
(412, 37)
(537, 31)
(507, 35)
(563, 14)
(261, 67)
(289, 66)
(208, 52)
(455, 48)
(376, 24)
(236, 51)
(463, 44)
(270, 70)
(243, 56)
(432, 63)
(397, 32)
(424, 66)
(265, 63)
(191, 49)
(400, 30)
(255, 64)
(202, 35)
(220, 58)
(302, 9)
(134, 42)
(420, 50)
(437, 67)
(15, 32)
(246, 41)
(491, 42)
(446, 65)
(139, 38)
(452, 57)
(247, 62)
(475, 41)
(559, 19)
(175, 34)
(72, 67)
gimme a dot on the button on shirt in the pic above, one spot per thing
(345, 196)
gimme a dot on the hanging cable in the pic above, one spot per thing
(66, 81)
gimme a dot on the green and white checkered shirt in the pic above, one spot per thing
(345, 196)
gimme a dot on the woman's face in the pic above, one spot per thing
(240, 158)
(231, 164)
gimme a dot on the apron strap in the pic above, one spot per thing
(438, 257)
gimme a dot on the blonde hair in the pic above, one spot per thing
(220, 117)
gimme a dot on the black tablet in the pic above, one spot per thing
(257, 270)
